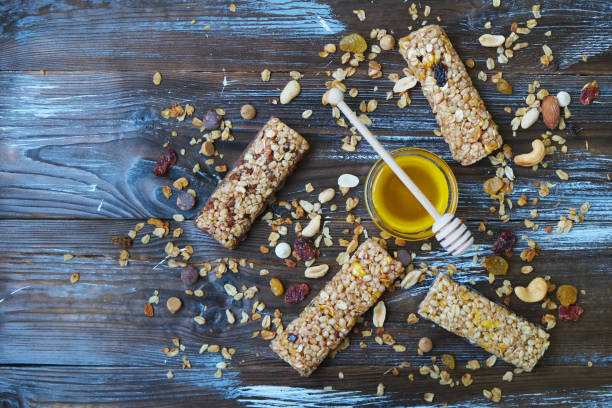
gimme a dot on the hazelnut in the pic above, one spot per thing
(387, 42)
(248, 112)
(212, 120)
(425, 345)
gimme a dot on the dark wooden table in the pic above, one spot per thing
(76, 153)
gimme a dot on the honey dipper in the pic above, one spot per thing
(450, 231)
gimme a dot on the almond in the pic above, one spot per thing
(551, 111)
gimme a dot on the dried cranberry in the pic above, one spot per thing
(589, 93)
(504, 243)
(165, 161)
(551, 67)
(440, 74)
(297, 293)
(305, 248)
(571, 130)
(212, 120)
(185, 201)
(189, 275)
(570, 313)
(292, 337)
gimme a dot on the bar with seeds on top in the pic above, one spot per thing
(248, 188)
(327, 320)
(491, 326)
(465, 123)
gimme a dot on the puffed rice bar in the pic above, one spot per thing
(247, 189)
(489, 325)
(327, 320)
(467, 126)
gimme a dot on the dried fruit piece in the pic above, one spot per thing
(440, 74)
(212, 120)
(148, 310)
(495, 265)
(185, 201)
(189, 275)
(589, 93)
(504, 242)
(297, 293)
(567, 294)
(571, 130)
(448, 360)
(276, 287)
(121, 241)
(353, 43)
(570, 313)
(165, 161)
(304, 248)
(504, 86)
(493, 185)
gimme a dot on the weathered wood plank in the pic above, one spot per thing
(70, 386)
(280, 35)
(54, 322)
(89, 151)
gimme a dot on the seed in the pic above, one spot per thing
(425, 344)
(387, 42)
(291, 90)
(564, 99)
(248, 111)
(157, 78)
(174, 304)
(348, 181)
(185, 201)
(277, 287)
(282, 250)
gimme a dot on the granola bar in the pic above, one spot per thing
(493, 327)
(327, 320)
(466, 124)
(247, 189)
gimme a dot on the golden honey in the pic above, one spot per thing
(393, 207)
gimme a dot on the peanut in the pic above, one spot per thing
(316, 271)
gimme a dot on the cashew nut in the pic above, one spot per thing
(534, 292)
(313, 226)
(534, 157)
(316, 271)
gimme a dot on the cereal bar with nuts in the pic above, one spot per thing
(493, 327)
(246, 190)
(327, 320)
(466, 125)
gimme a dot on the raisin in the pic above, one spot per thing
(551, 67)
(297, 293)
(504, 242)
(571, 130)
(493, 185)
(165, 161)
(292, 337)
(353, 43)
(504, 86)
(121, 241)
(189, 275)
(589, 93)
(495, 265)
(211, 120)
(185, 201)
(570, 313)
(440, 74)
(448, 360)
(567, 294)
(305, 248)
